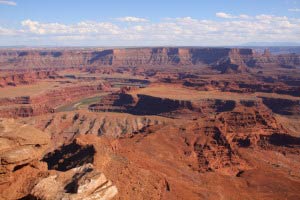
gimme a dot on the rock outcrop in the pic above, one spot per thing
(70, 173)
(20, 145)
(64, 127)
(142, 104)
(78, 183)
(70, 156)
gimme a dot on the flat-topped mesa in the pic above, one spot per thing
(176, 56)
(241, 52)
(119, 57)
(289, 60)
(146, 56)
(225, 60)
(237, 61)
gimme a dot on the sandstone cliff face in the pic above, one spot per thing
(226, 60)
(15, 111)
(285, 85)
(66, 126)
(142, 104)
(121, 57)
(14, 79)
(285, 60)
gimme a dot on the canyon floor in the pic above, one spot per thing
(149, 123)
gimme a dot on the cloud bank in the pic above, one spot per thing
(9, 3)
(229, 16)
(132, 19)
(227, 29)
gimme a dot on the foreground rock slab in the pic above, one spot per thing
(79, 183)
(20, 145)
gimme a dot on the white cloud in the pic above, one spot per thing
(225, 15)
(132, 19)
(294, 9)
(171, 31)
(9, 3)
(229, 16)
(243, 16)
(63, 29)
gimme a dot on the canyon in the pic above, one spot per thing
(223, 59)
(149, 123)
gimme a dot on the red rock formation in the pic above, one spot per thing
(18, 78)
(122, 57)
(151, 105)
(225, 60)
(198, 147)
(23, 175)
(48, 101)
(57, 97)
(283, 106)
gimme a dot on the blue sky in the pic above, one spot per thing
(155, 22)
